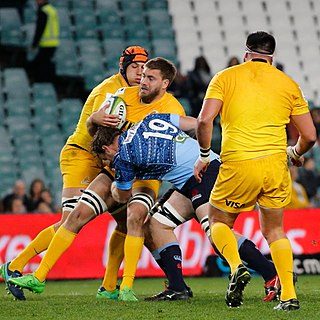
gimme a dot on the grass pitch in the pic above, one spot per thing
(76, 300)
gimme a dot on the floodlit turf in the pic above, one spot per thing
(76, 300)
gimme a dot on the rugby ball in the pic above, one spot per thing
(117, 106)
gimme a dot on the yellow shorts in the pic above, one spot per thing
(151, 184)
(78, 167)
(242, 184)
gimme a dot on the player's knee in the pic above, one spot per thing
(94, 201)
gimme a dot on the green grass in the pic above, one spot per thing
(76, 300)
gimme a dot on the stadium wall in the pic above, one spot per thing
(87, 256)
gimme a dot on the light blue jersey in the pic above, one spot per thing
(156, 149)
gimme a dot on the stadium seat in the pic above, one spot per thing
(165, 48)
(17, 125)
(70, 110)
(110, 6)
(65, 25)
(92, 70)
(45, 109)
(33, 172)
(18, 107)
(87, 4)
(132, 7)
(44, 90)
(10, 27)
(158, 32)
(66, 58)
(47, 127)
(61, 3)
(113, 47)
(16, 83)
(160, 4)
(85, 23)
(159, 16)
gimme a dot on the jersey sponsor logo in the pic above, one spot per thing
(120, 91)
(177, 258)
(198, 196)
(181, 138)
(131, 133)
(234, 204)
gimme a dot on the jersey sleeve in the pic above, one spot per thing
(125, 173)
(214, 90)
(300, 104)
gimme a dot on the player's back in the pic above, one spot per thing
(158, 149)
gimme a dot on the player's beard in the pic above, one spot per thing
(148, 98)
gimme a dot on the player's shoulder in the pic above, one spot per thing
(172, 104)
(110, 84)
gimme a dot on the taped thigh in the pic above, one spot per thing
(205, 225)
(144, 199)
(94, 201)
(68, 204)
(168, 216)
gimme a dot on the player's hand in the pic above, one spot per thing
(199, 168)
(104, 119)
(295, 159)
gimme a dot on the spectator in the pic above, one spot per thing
(308, 178)
(233, 61)
(19, 191)
(198, 80)
(16, 205)
(46, 40)
(45, 203)
(179, 86)
(299, 198)
(36, 187)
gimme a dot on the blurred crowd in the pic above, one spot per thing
(38, 199)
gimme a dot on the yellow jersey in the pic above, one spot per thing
(136, 110)
(258, 100)
(81, 136)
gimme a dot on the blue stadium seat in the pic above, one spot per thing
(44, 90)
(16, 83)
(10, 27)
(18, 107)
(66, 58)
(65, 25)
(86, 25)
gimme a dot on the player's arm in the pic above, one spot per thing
(210, 109)
(307, 138)
(188, 124)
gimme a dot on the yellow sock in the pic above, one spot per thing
(281, 254)
(61, 241)
(36, 246)
(132, 251)
(226, 243)
(115, 257)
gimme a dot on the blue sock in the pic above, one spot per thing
(172, 262)
(255, 260)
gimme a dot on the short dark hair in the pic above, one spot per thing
(103, 137)
(166, 67)
(261, 42)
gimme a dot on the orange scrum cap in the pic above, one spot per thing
(130, 55)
